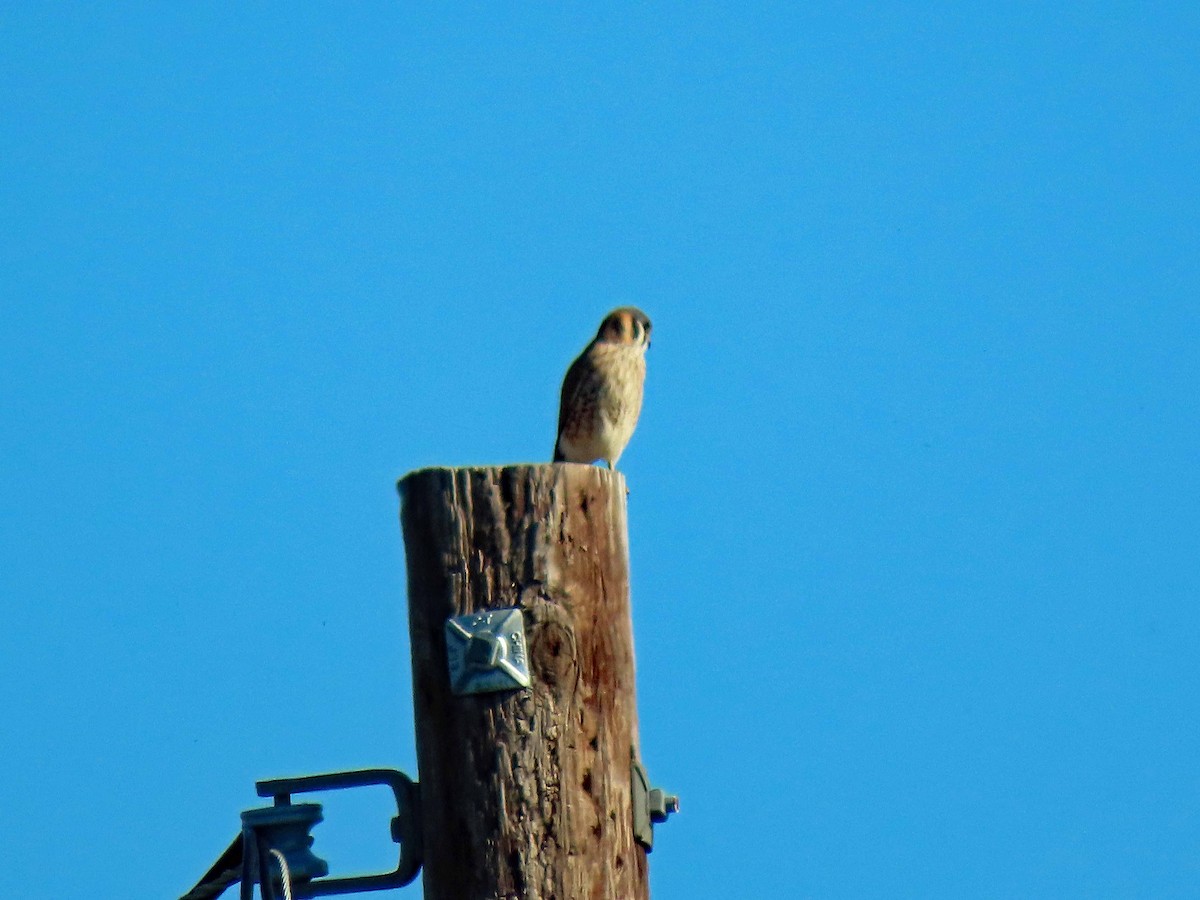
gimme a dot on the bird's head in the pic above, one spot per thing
(628, 326)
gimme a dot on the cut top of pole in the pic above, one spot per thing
(525, 791)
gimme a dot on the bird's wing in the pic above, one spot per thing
(570, 387)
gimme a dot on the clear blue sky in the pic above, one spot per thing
(915, 500)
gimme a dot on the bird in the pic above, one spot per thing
(602, 391)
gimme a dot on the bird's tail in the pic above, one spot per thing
(558, 454)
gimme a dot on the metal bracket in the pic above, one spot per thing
(486, 652)
(405, 826)
(650, 806)
(285, 828)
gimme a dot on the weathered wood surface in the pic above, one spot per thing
(525, 794)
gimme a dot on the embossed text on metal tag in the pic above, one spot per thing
(486, 652)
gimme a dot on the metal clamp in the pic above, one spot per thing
(650, 806)
(284, 828)
(405, 826)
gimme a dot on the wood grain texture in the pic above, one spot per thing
(525, 794)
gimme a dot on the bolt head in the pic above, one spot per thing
(485, 650)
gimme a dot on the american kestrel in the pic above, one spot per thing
(602, 393)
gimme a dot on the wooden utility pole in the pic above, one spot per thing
(525, 793)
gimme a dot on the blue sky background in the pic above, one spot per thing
(915, 500)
